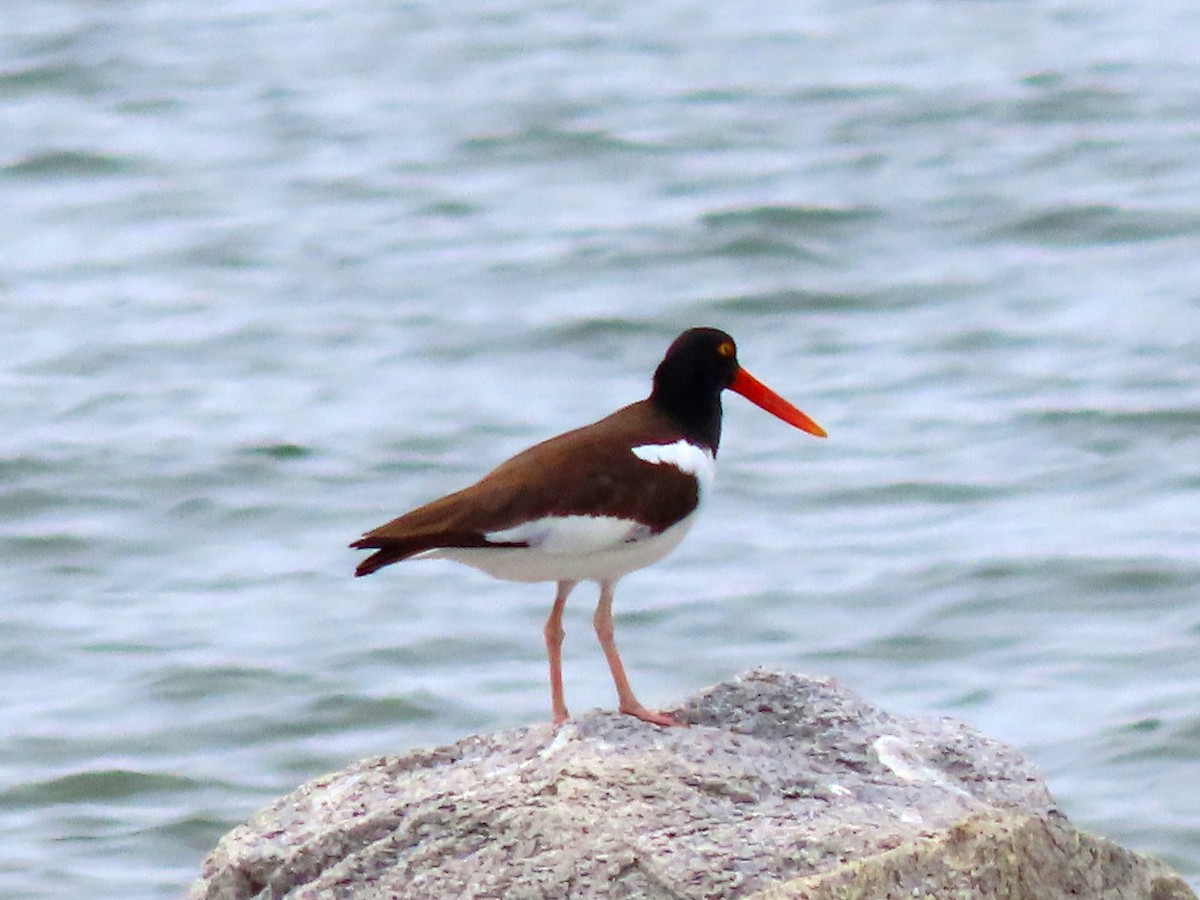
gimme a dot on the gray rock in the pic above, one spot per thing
(784, 787)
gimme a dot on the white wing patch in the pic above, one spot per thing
(571, 535)
(570, 548)
(684, 456)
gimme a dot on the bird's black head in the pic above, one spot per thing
(699, 364)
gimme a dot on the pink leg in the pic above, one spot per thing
(554, 638)
(627, 702)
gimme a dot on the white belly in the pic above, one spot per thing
(570, 548)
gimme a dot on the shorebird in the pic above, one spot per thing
(595, 503)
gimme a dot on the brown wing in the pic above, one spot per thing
(589, 471)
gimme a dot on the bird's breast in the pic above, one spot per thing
(685, 456)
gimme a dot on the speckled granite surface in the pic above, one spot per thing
(783, 787)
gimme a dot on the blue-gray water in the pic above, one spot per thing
(272, 273)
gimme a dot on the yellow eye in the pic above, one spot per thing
(725, 349)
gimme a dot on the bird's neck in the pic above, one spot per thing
(697, 415)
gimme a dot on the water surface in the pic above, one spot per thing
(270, 276)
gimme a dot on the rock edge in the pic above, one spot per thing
(784, 787)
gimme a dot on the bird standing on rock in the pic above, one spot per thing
(595, 503)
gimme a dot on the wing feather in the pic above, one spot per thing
(588, 471)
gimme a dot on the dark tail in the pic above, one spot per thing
(387, 551)
(393, 550)
(378, 560)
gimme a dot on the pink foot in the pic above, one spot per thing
(654, 718)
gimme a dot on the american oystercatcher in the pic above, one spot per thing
(595, 503)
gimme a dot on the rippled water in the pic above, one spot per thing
(271, 275)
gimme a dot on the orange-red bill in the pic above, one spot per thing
(762, 396)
